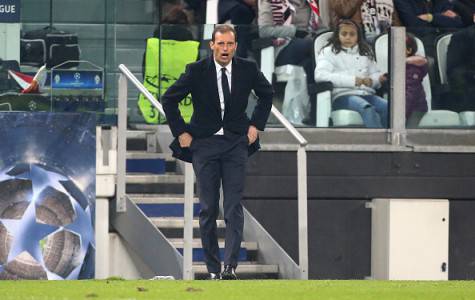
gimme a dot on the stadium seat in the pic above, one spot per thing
(440, 119)
(341, 117)
(441, 47)
(346, 118)
(467, 118)
(280, 74)
(268, 68)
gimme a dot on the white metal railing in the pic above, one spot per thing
(121, 157)
(189, 178)
(301, 192)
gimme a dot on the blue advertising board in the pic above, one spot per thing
(74, 79)
(10, 11)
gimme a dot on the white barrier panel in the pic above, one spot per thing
(410, 239)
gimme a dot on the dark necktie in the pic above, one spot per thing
(225, 86)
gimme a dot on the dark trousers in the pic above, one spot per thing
(219, 159)
(299, 52)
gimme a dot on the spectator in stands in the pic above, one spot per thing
(289, 23)
(461, 70)
(416, 70)
(466, 10)
(349, 63)
(428, 14)
(425, 18)
(196, 10)
(174, 25)
(374, 16)
(239, 12)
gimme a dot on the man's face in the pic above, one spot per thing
(224, 47)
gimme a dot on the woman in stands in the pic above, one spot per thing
(374, 16)
(290, 23)
(416, 70)
(348, 62)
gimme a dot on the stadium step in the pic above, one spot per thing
(138, 134)
(245, 270)
(150, 178)
(149, 155)
(167, 210)
(249, 267)
(178, 243)
(163, 205)
(178, 222)
(160, 197)
(150, 162)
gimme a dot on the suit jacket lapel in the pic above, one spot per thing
(213, 84)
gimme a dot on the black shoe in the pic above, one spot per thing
(214, 276)
(228, 273)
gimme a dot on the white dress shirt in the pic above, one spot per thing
(229, 68)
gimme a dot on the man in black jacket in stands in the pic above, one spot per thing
(461, 70)
(219, 138)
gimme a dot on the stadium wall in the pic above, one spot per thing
(339, 185)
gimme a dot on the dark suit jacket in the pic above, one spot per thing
(409, 10)
(226, 6)
(461, 70)
(199, 79)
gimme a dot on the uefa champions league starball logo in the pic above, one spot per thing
(46, 227)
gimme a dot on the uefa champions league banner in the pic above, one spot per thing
(47, 195)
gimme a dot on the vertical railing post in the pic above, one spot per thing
(302, 211)
(188, 226)
(121, 143)
(398, 85)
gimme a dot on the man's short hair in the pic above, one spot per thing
(223, 28)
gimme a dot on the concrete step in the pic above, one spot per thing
(149, 155)
(157, 166)
(167, 210)
(149, 178)
(243, 268)
(155, 188)
(139, 134)
(178, 222)
(150, 127)
(178, 243)
(160, 198)
(199, 254)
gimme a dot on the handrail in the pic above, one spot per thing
(302, 141)
(141, 88)
(301, 192)
(189, 181)
(280, 117)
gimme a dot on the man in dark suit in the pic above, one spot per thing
(219, 138)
